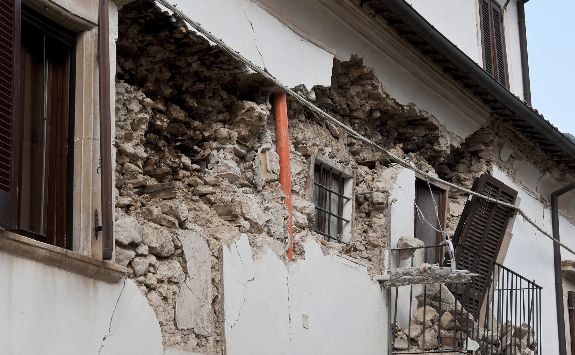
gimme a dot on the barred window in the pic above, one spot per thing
(333, 204)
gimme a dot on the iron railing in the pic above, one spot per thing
(433, 318)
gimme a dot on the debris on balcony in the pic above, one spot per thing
(431, 307)
(425, 274)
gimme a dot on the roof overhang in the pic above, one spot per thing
(414, 28)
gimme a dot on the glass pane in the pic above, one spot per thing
(58, 59)
(427, 225)
(33, 113)
(333, 227)
(45, 114)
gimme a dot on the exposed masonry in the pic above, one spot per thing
(196, 166)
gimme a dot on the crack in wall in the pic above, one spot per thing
(245, 285)
(254, 33)
(112, 318)
(289, 307)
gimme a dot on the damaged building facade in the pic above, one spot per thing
(234, 235)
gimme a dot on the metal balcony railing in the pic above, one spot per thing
(433, 317)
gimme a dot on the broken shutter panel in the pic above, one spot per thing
(105, 131)
(498, 44)
(9, 128)
(479, 236)
(486, 35)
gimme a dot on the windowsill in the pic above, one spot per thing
(106, 271)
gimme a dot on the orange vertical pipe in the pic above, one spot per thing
(282, 142)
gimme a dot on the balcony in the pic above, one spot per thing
(439, 308)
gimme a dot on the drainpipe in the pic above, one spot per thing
(282, 138)
(557, 263)
(523, 51)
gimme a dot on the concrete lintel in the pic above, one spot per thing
(421, 276)
(61, 258)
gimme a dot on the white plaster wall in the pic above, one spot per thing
(256, 305)
(510, 22)
(340, 28)
(335, 307)
(45, 310)
(531, 254)
(319, 305)
(402, 209)
(457, 20)
(402, 212)
(262, 39)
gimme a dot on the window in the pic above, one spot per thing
(36, 168)
(430, 205)
(493, 41)
(332, 190)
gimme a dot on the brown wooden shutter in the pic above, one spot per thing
(479, 235)
(486, 35)
(492, 35)
(9, 103)
(498, 44)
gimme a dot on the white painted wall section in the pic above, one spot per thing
(319, 305)
(256, 307)
(335, 307)
(402, 199)
(514, 71)
(457, 20)
(262, 39)
(402, 212)
(46, 310)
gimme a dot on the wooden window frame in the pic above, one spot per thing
(441, 208)
(495, 70)
(92, 117)
(59, 233)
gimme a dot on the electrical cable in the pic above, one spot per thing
(318, 111)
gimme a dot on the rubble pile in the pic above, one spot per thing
(196, 166)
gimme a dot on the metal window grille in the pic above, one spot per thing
(329, 200)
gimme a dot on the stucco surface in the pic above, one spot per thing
(262, 39)
(321, 304)
(45, 310)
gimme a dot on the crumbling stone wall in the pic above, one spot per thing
(196, 166)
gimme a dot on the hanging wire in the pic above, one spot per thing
(319, 112)
(435, 205)
(422, 217)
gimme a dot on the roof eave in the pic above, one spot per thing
(416, 29)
